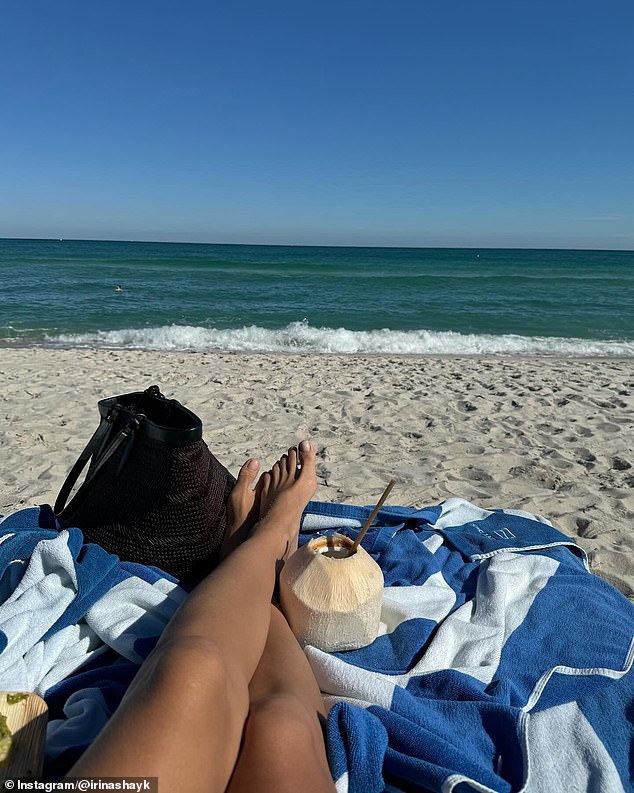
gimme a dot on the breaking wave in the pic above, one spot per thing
(300, 337)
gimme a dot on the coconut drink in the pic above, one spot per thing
(331, 595)
(331, 591)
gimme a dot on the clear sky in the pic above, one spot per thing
(400, 122)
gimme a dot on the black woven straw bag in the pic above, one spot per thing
(153, 493)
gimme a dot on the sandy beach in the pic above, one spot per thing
(549, 435)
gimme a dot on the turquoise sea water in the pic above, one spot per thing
(315, 299)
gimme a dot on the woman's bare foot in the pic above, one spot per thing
(285, 491)
(243, 508)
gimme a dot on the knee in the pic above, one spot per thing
(284, 740)
(284, 722)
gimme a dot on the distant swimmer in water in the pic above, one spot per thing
(118, 288)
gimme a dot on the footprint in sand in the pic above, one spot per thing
(541, 475)
(474, 474)
(585, 457)
(474, 449)
(582, 526)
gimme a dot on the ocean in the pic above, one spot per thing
(61, 293)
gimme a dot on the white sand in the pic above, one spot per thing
(552, 436)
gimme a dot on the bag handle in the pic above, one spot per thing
(93, 449)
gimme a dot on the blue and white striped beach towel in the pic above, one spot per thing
(502, 663)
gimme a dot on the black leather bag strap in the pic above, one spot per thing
(98, 449)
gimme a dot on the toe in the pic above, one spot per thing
(291, 465)
(248, 474)
(307, 459)
(306, 453)
(279, 470)
(264, 485)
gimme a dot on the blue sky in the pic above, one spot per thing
(364, 123)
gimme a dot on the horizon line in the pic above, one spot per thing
(321, 245)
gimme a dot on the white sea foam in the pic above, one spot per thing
(301, 337)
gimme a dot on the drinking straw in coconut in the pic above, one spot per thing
(368, 523)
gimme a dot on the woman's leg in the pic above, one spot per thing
(283, 743)
(183, 717)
